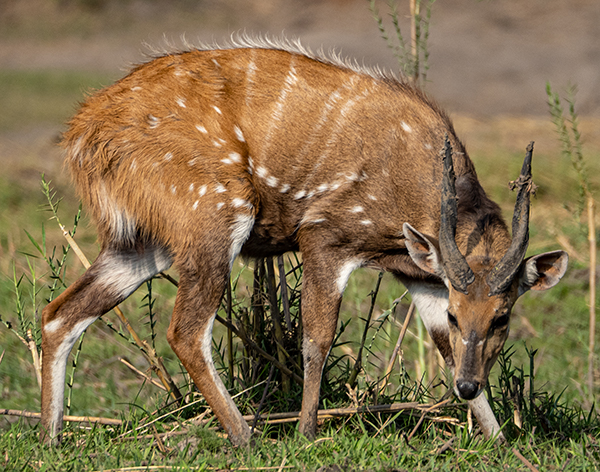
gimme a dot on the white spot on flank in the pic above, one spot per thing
(192, 162)
(153, 121)
(181, 102)
(284, 188)
(406, 127)
(318, 220)
(168, 156)
(428, 146)
(217, 109)
(351, 177)
(372, 197)
(240, 202)
(191, 188)
(300, 194)
(133, 164)
(201, 128)
(357, 209)
(239, 134)
(235, 157)
(217, 143)
(272, 181)
(465, 341)
(195, 205)
(173, 189)
(344, 273)
(216, 63)
(136, 89)
(202, 191)
(322, 188)
(219, 188)
(480, 343)
(366, 222)
(261, 172)
(220, 205)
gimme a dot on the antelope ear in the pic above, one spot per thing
(423, 252)
(543, 271)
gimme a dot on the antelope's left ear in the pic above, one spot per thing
(543, 271)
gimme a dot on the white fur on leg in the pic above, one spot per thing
(485, 417)
(58, 369)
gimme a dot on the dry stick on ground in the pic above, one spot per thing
(427, 410)
(149, 353)
(522, 458)
(74, 419)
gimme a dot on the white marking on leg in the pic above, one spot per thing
(53, 325)
(121, 273)
(344, 273)
(240, 231)
(58, 371)
(206, 349)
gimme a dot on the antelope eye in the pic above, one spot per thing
(452, 320)
(500, 322)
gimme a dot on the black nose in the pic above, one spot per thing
(467, 390)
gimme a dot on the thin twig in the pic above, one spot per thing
(141, 374)
(522, 458)
(74, 419)
(394, 355)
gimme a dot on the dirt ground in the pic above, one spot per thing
(487, 58)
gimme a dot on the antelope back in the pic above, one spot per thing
(290, 139)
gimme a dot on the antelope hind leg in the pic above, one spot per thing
(114, 275)
(190, 337)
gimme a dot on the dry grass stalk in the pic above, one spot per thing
(141, 374)
(396, 350)
(74, 419)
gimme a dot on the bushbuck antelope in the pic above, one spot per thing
(262, 148)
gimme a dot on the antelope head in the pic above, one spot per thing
(482, 289)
